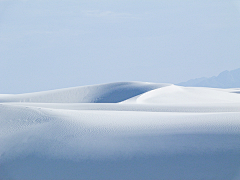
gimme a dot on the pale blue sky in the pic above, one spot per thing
(50, 44)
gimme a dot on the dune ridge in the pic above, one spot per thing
(103, 93)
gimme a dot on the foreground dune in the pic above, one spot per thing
(121, 131)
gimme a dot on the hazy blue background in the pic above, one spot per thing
(50, 44)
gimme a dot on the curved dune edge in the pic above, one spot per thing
(103, 93)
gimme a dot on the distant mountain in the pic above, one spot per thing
(226, 79)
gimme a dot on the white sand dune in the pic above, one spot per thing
(143, 131)
(173, 94)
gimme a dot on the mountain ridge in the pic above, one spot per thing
(226, 79)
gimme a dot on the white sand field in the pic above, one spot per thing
(129, 130)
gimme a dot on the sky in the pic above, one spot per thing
(52, 44)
